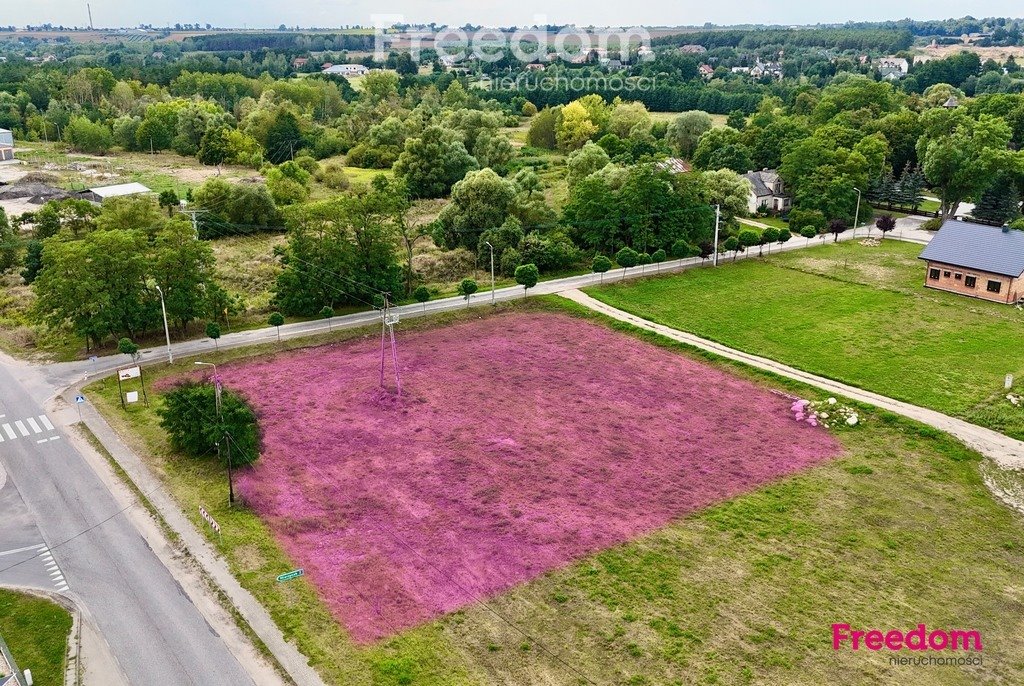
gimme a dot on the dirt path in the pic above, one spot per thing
(1007, 452)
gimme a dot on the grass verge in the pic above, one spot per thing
(36, 632)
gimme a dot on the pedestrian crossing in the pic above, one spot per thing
(39, 428)
(27, 568)
(53, 569)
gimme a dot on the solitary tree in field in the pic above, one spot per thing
(422, 295)
(126, 346)
(885, 224)
(601, 265)
(836, 227)
(276, 320)
(467, 287)
(808, 232)
(327, 313)
(657, 257)
(527, 276)
(213, 331)
(627, 257)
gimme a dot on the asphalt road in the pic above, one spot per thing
(52, 499)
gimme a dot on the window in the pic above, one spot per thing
(958, 276)
(933, 273)
(994, 286)
(945, 274)
(971, 281)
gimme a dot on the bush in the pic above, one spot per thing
(332, 175)
(550, 252)
(510, 260)
(529, 109)
(932, 224)
(444, 266)
(189, 416)
(527, 276)
(88, 137)
(803, 218)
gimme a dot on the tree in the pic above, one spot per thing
(88, 137)
(784, 236)
(284, 137)
(276, 320)
(732, 244)
(33, 261)
(1000, 202)
(189, 416)
(433, 163)
(685, 131)
(584, 162)
(483, 200)
(769, 236)
(129, 213)
(168, 198)
(184, 268)
(467, 287)
(544, 127)
(737, 119)
(728, 190)
(627, 257)
(748, 238)
(422, 295)
(527, 276)
(658, 256)
(575, 127)
(885, 224)
(216, 146)
(601, 265)
(808, 232)
(213, 331)
(8, 244)
(125, 346)
(836, 227)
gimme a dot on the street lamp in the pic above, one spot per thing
(856, 216)
(167, 331)
(224, 434)
(718, 216)
(488, 243)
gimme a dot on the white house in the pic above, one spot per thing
(766, 190)
(6, 145)
(893, 68)
(346, 70)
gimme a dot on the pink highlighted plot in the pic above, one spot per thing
(522, 443)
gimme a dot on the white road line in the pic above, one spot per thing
(42, 440)
(10, 432)
(55, 438)
(46, 422)
(35, 427)
(1, 438)
(21, 550)
(21, 427)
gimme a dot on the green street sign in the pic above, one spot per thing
(294, 574)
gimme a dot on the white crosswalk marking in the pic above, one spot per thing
(21, 427)
(35, 427)
(43, 425)
(46, 422)
(10, 432)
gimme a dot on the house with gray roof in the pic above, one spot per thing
(767, 191)
(977, 260)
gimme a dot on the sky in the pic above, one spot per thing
(333, 13)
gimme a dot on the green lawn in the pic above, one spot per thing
(36, 631)
(744, 592)
(852, 313)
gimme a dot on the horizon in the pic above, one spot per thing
(320, 14)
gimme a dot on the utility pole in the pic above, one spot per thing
(856, 216)
(167, 331)
(492, 270)
(193, 215)
(718, 216)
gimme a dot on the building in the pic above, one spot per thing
(101, 193)
(674, 165)
(300, 62)
(893, 68)
(692, 49)
(766, 191)
(346, 70)
(6, 145)
(977, 260)
(706, 70)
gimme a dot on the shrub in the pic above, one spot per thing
(467, 287)
(421, 295)
(510, 260)
(784, 235)
(88, 137)
(527, 276)
(189, 416)
(932, 224)
(809, 232)
(802, 218)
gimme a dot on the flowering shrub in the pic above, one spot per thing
(828, 413)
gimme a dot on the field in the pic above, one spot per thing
(718, 120)
(852, 313)
(36, 631)
(496, 497)
(740, 592)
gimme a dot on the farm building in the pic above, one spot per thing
(103, 192)
(977, 260)
(346, 70)
(6, 145)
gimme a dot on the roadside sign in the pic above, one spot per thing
(129, 373)
(132, 396)
(79, 399)
(294, 574)
(209, 519)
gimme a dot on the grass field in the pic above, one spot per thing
(36, 632)
(718, 120)
(899, 530)
(852, 313)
